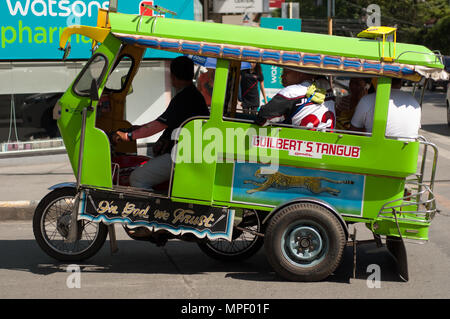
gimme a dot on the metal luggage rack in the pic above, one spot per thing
(422, 203)
(438, 56)
(421, 200)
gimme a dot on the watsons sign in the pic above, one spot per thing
(31, 29)
(53, 8)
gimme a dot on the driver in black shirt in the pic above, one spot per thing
(187, 103)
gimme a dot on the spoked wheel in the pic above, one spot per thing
(304, 242)
(51, 226)
(243, 245)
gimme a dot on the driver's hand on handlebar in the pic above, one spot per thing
(119, 136)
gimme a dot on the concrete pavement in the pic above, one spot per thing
(25, 181)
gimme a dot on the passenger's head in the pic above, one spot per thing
(290, 77)
(181, 71)
(359, 85)
(396, 83)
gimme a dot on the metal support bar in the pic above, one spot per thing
(425, 84)
(81, 150)
(112, 239)
(354, 243)
(73, 230)
(353, 237)
(249, 231)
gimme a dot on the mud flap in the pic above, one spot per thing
(397, 248)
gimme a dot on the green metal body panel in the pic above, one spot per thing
(96, 165)
(382, 163)
(385, 163)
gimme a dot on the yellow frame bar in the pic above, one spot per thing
(377, 32)
(95, 33)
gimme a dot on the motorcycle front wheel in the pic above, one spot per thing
(51, 226)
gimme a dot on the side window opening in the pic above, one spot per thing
(290, 110)
(204, 79)
(120, 74)
(95, 69)
(234, 107)
(347, 92)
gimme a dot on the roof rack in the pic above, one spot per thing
(157, 9)
(380, 32)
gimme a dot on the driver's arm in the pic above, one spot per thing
(149, 129)
(145, 130)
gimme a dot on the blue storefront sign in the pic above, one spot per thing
(30, 29)
(272, 73)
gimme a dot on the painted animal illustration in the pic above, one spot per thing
(279, 180)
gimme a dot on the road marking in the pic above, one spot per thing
(18, 204)
(442, 201)
(434, 138)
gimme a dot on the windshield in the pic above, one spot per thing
(94, 70)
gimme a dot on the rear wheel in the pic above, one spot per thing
(304, 242)
(51, 226)
(244, 244)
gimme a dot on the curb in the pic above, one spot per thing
(17, 210)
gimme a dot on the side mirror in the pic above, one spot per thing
(94, 91)
(66, 51)
(113, 5)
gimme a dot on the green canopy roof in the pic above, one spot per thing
(274, 46)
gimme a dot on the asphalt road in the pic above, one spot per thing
(180, 270)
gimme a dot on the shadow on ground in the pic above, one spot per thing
(183, 258)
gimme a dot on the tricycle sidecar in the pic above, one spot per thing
(237, 186)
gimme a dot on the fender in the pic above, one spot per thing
(313, 201)
(62, 185)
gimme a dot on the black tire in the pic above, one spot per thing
(304, 242)
(243, 244)
(58, 205)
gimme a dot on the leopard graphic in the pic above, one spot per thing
(279, 180)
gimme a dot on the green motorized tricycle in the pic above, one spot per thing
(236, 186)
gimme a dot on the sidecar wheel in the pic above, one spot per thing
(51, 224)
(304, 242)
